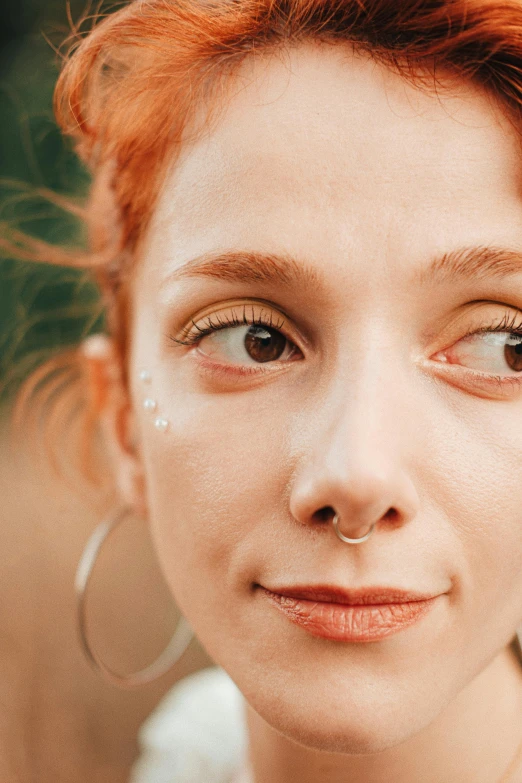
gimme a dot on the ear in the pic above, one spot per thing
(112, 406)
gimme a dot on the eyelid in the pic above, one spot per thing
(476, 317)
(251, 310)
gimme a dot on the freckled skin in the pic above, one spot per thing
(341, 163)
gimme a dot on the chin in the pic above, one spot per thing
(348, 736)
(364, 720)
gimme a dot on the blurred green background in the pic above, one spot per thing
(41, 307)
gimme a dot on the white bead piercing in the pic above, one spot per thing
(145, 376)
(161, 424)
(150, 405)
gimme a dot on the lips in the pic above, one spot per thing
(361, 614)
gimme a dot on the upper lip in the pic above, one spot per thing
(374, 594)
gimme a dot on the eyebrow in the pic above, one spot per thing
(240, 266)
(467, 263)
(472, 263)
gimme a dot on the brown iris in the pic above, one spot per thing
(264, 344)
(513, 355)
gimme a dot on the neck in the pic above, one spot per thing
(463, 743)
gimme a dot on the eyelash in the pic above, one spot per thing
(508, 324)
(190, 338)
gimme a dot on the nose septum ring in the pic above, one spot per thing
(335, 523)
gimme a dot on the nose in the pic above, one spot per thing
(355, 466)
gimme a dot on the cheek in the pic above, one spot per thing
(477, 488)
(216, 484)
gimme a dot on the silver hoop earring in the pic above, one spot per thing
(335, 523)
(517, 643)
(168, 658)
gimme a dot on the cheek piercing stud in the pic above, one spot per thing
(161, 424)
(151, 405)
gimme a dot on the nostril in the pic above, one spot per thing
(327, 513)
(324, 514)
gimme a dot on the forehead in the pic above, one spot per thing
(314, 140)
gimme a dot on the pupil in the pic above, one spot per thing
(264, 344)
(513, 355)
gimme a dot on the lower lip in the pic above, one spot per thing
(350, 623)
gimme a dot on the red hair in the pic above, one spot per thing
(130, 88)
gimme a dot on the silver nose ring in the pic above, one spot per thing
(335, 522)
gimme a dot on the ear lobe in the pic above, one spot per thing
(112, 407)
(119, 429)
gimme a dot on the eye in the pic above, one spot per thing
(248, 338)
(254, 344)
(496, 350)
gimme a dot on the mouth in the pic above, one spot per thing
(363, 614)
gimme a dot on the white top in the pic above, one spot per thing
(197, 734)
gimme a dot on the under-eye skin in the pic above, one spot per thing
(485, 385)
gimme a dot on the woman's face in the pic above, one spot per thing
(346, 217)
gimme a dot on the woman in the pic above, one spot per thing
(305, 220)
